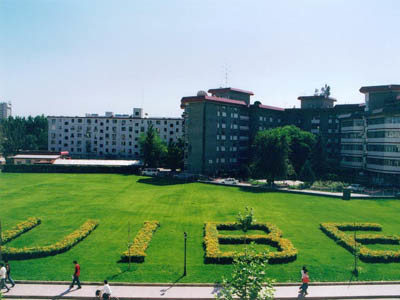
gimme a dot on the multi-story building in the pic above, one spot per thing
(106, 136)
(219, 127)
(5, 110)
(371, 138)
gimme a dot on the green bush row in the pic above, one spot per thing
(70, 169)
(137, 250)
(336, 231)
(19, 229)
(62, 246)
(286, 251)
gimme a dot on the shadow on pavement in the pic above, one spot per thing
(163, 291)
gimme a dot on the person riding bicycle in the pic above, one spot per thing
(105, 292)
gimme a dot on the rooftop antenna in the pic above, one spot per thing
(226, 75)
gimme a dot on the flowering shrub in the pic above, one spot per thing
(286, 251)
(19, 229)
(62, 246)
(137, 250)
(336, 231)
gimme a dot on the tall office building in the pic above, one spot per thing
(371, 138)
(219, 127)
(5, 110)
(109, 136)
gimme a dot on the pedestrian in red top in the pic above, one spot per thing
(75, 277)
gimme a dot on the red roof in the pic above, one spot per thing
(271, 107)
(213, 91)
(315, 97)
(194, 99)
(380, 88)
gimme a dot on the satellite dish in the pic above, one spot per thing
(202, 93)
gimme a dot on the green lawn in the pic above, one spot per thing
(66, 201)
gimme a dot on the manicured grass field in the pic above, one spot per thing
(66, 201)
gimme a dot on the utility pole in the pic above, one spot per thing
(184, 262)
(129, 246)
(355, 271)
(1, 244)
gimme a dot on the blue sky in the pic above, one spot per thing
(73, 57)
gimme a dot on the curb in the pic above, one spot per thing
(206, 284)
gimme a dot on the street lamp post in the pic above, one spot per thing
(1, 244)
(184, 260)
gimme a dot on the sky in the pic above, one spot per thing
(71, 57)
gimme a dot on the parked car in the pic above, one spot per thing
(150, 171)
(356, 188)
(229, 181)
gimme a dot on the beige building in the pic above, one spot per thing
(108, 136)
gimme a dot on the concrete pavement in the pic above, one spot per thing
(200, 292)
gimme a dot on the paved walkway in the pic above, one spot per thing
(336, 291)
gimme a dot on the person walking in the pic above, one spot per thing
(3, 276)
(106, 291)
(305, 279)
(75, 277)
(8, 269)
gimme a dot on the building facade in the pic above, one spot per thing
(371, 138)
(109, 136)
(5, 110)
(219, 127)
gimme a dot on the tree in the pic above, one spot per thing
(153, 148)
(319, 162)
(270, 154)
(325, 91)
(248, 280)
(306, 173)
(245, 220)
(175, 154)
(301, 144)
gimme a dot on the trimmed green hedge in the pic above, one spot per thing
(62, 246)
(273, 237)
(336, 231)
(137, 250)
(70, 169)
(19, 229)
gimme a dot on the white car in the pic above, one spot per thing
(229, 181)
(356, 188)
(150, 171)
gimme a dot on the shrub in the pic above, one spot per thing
(19, 229)
(137, 250)
(245, 220)
(286, 251)
(336, 231)
(62, 246)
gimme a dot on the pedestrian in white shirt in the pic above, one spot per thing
(3, 277)
(106, 291)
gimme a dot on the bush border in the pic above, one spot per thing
(19, 229)
(212, 239)
(137, 250)
(336, 231)
(64, 245)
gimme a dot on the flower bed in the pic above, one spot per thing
(273, 237)
(336, 231)
(137, 250)
(62, 246)
(19, 229)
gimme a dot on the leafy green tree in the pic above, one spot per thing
(319, 162)
(153, 148)
(175, 155)
(248, 280)
(301, 144)
(306, 173)
(270, 154)
(20, 133)
(246, 219)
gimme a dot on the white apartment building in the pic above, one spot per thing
(5, 110)
(108, 136)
